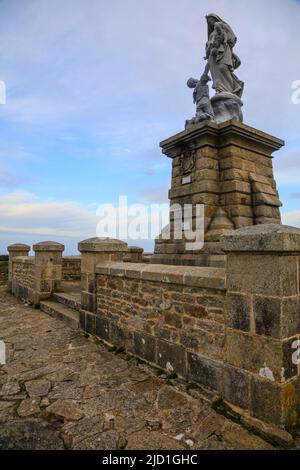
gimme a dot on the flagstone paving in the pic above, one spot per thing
(62, 390)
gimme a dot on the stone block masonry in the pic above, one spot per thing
(23, 278)
(34, 278)
(16, 250)
(71, 268)
(3, 269)
(171, 316)
(263, 322)
(234, 330)
(228, 168)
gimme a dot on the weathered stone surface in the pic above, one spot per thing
(145, 440)
(48, 246)
(90, 320)
(71, 268)
(253, 353)
(269, 238)
(105, 441)
(223, 165)
(29, 435)
(238, 311)
(123, 403)
(19, 247)
(98, 245)
(266, 401)
(278, 278)
(239, 438)
(29, 407)
(11, 387)
(205, 371)
(171, 357)
(75, 432)
(275, 434)
(145, 347)
(290, 318)
(236, 386)
(65, 391)
(102, 328)
(267, 314)
(66, 409)
(38, 388)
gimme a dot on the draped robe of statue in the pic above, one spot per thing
(223, 61)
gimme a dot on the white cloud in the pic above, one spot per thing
(25, 213)
(287, 167)
(26, 217)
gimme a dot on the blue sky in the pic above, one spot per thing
(94, 86)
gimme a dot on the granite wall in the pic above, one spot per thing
(71, 268)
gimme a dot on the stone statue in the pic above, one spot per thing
(204, 109)
(221, 64)
(221, 60)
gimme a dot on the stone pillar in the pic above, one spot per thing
(134, 255)
(261, 373)
(48, 269)
(95, 251)
(19, 249)
(228, 168)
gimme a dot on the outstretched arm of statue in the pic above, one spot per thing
(207, 69)
(207, 50)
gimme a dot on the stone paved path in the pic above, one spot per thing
(61, 390)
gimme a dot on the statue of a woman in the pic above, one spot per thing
(221, 60)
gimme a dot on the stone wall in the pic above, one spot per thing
(71, 268)
(23, 277)
(169, 316)
(262, 354)
(3, 269)
(34, 278)
(234, 330)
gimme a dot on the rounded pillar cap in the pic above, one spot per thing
(102, 245)
(18, 247)
(48, 246)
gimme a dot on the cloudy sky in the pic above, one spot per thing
(93, 87)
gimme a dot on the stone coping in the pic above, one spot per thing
(263, 238)
(209, 132)
(24, 259)
(208, 278)
(18, 247)
(102, 245)
(74, 258)
(48, 246)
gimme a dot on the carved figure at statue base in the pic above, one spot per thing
(204, 110)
